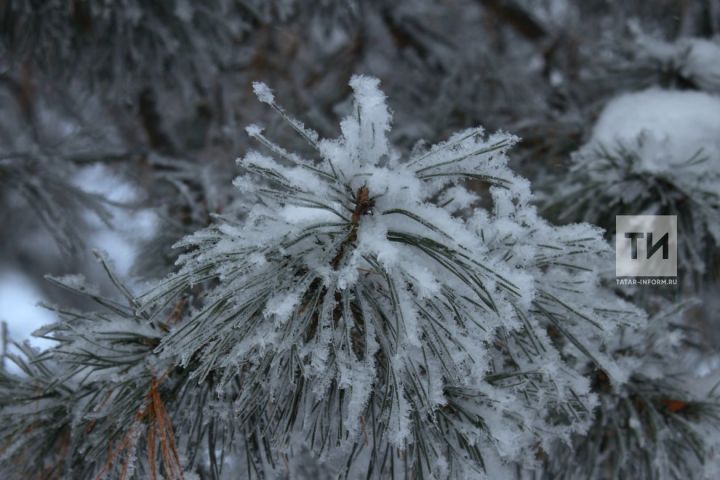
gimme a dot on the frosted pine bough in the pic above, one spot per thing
(688, 62)
(662, 422)
(364, 311)
(654, 152)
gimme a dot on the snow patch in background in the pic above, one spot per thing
(701, 62)
(129, 225)
(674, 124)
(697, 60)
(18, 306)
(18, 293)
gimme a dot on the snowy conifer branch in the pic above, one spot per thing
(368, 314)
(362, 317)
(101, 401)
(351, 306)
(35, 425)
(660, 170)
(656, 425)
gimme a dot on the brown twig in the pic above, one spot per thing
(363, 205)
(158, 426)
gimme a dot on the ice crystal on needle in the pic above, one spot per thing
(364, 314)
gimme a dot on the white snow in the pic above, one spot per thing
(700, 62)
(129, 226)
(695, 59)
(373, 119)
(670, 125)
(18, 306)
(263, 93)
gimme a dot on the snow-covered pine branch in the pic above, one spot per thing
(662, 423)
(96, 405)
(369, 316)
(369, 309)
(654, 152)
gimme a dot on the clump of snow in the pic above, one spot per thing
(670, 126)
(253, 130)
(263, 92)
(700, 62)
(372, 117)
(696, 60)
